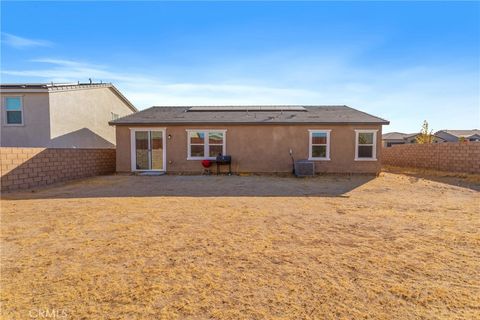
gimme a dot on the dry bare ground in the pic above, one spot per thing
(172, 247)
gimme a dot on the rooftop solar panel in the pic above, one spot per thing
(248, 108)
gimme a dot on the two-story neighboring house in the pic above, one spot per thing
(61, 115)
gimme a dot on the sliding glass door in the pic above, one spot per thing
(142, 157)
(156, 150)
(148, 150)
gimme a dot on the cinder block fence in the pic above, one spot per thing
(454, 157)
(23, 168)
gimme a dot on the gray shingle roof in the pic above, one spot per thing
(461, 133)
(254, 115)
(394, 135)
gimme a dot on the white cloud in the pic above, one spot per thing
(405, 96)
(62, 62)
(21, 42)
(145, 91)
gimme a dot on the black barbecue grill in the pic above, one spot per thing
(224, 160)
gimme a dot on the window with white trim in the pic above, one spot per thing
(205, 144)
(13, 110)
(319, 145)
(365, 144)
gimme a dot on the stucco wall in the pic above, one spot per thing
(261, 148)
(79, 118)
(35, 130)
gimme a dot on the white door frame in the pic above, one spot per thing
(133, 159)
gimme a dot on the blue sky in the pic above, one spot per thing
(403, 61)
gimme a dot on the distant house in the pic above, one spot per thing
(392, 138)
(456, 135)
(258, 138)
(61, 115)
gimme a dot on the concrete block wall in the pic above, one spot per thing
(23, 168)
(450, 156)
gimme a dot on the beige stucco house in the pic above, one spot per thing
(338, 139)
(61, 115)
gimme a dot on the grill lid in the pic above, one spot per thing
(224, 159)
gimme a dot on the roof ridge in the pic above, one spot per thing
(251, 105)
(53, 84)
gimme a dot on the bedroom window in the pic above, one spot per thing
(13, 110)
(366, 145)
(319, 145)
(205, 144)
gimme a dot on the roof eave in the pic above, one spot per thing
(122, 97)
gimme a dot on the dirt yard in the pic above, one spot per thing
(206, 247)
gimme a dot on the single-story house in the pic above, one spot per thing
(61, 115)
(458, 135)
(392, 138)
(262, 139)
